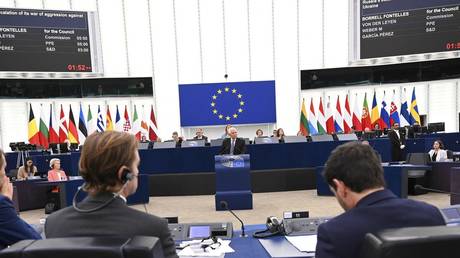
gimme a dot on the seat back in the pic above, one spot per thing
(77, 247)
(420, 242)
(417, 159)
(13, 173)
(450, 154)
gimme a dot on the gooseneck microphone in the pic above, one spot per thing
(224, 205)
(420, 187)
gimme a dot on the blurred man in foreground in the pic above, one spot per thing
(108, 164)
(355, 175)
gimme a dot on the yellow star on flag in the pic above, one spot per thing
(219, 91)
(240, 110)
(227, 118)
(213, 104)
(214, 97)
(221, 116)
(241, 103)
(235, 115)
(214, 111)
(227, 89)
(234, 91)
(239, 96)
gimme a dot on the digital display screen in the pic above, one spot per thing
(406, 27)
(45, 41)
(199, 231)
(451, 213)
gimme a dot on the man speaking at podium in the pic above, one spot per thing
(233, 145)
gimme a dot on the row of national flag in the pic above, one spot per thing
(49, 130)
(335, 120)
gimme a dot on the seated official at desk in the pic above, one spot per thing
(56, 174)
(12, 228)
(176, 138)
(109, 165)
(437, 153)
(199, 135)
(233, 145)
(280, 134)
(26, 170)
(355, 174)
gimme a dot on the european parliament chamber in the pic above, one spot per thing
(242, 128)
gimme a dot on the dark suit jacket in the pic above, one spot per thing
(342, 236)
(116, 219)
(203, 138)
(13, 228)
(396, 142)
(240, 146)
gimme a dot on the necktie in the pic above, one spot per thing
(232, 146)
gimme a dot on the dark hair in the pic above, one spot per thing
(29, 169)
(356, 165)
(278, 132)
(259, 130)
(103, 155)
(441, 145)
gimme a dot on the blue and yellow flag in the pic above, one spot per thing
(227, 103)
(414, 115)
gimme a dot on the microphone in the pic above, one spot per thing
(420, 187)
(224, 205)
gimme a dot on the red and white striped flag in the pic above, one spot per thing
(329, 118)
(153, 129)
(347, 122)
(357, 116)
(62, 127)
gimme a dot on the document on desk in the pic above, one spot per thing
(303, 243)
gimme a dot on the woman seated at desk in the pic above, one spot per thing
(56, 174)
(437, 153)
(280, 135)
(27, 170)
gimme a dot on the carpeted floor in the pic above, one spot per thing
(201, 208)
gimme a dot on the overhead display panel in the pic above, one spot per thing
(385, 28)
(48, 41)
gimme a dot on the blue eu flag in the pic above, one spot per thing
(227, 103)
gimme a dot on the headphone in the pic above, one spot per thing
(274, 227)
(126, 176)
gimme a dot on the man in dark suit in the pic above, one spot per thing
(200, 136)
(233, 145)
(355, 174)
(397, 141)
(108, 164)
(12, 228)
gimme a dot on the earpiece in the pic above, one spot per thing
(274, 227)
(126, 176)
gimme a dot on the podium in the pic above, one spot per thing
(233, 182)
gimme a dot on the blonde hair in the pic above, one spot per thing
(52, 161)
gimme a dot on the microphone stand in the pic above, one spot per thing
(224, 205)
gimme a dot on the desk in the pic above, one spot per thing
(201, 159)
(32, 193)
(439, 176)
(69, 188)
(395, 179)
(29, 195)
(250, 246)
